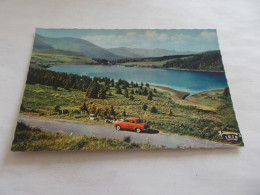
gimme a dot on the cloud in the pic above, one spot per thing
(209, 35)
(131, 34)
(150, 34)
(163, 37)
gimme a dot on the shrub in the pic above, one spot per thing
(144, 107)
(118, 90)
(131, 97)
(57, 108)
(154, 110)
(150, 97)
(127, 139)
(170, 113)
(226, 92)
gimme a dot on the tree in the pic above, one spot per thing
(83, 107)
(92, 109)
(150, 97)
(112, 83)
(154, 110)
(147, 85)
(118, 90)
(144, 107)
(124, 113)
(57, 108)
(112, 112)
(67, 86)
(154, 90)
(131, 97)
(170, 113)
(102, 93)
(132, 92)
(126, 93)
(226, 92)
(145, 91)
(93, 89)
(55, 86)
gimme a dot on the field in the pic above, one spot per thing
(201, 116)
(46, 58)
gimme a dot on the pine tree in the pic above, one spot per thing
(102, 93)
(144, 107)
(118, 90)
(126, 93)
(93, 89)
(150, 97)
(226, 92)
(145, 91)
(131, 97)
(154, 110)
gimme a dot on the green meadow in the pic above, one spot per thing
(200, 116)
(51, 57)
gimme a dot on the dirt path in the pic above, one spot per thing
(153, 137)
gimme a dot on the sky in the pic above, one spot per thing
(196, 40)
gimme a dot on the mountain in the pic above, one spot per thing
(80, 46)
(144, 53)
(126, 52)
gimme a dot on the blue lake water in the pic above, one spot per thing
(189, 81)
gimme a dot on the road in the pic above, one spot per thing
(153, 137)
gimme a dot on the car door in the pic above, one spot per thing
(125, 124)
(132, 125)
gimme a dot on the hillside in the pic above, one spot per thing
(144, 53)
(80, 46)
(206, 61)
(50, 57)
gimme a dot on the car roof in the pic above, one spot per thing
(132, 118)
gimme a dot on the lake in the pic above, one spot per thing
(192, 82)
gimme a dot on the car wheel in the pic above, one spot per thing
(118, 127)
(138, 130)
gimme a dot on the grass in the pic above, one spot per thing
(33, 139)
(50, 57)
(203, 119)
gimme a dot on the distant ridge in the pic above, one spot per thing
(80, 46)
(91, 50)
(144, 53)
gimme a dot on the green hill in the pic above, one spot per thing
(207, 61)
(50, 57)
(80, 46)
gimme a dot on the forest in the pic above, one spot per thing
(208, 61)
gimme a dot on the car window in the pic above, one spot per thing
(132, 121)
(139, 121)
(127, 121)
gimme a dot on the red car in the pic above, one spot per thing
(135, 124)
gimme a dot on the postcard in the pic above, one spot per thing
(110, 89)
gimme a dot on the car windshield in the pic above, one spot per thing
(139, 121)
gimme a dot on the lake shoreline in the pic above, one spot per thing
(175, 93)
(159, 67)
(152, 67)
